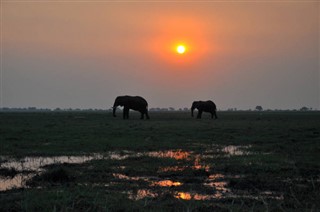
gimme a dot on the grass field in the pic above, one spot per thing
(244, 161)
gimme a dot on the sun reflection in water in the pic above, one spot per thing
(183, 195)
(197, 165)
(142, 193)
(220, 186)
(196, 196)
(178, 154)
(157, 186)
(166, 183)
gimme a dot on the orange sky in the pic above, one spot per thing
(239, 54)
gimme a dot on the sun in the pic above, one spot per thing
(181, 49)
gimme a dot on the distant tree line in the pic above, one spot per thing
(169, 109)
(34, 109)
(157, 109)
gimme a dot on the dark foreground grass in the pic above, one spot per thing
(285, 160)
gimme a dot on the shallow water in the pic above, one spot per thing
(18, 181)
(215, 183)
(175, 154)
(236, 150)
(35, 163)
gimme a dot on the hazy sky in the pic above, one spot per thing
(82, 54)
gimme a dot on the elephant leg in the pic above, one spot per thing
(215, 115)
(199, 114)
(212, 115)
(125, 113)
(144, 112)
(147, 115)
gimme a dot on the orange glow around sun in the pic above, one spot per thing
(180, 42)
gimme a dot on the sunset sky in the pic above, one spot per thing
(82, 54)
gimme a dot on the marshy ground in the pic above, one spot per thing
(71, 161)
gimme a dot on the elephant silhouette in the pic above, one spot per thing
(204, 106)
(136, 103)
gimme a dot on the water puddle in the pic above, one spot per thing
(29, 166)
(230, 150)
(18, 181)
(141, 194)
(236, 150)
(190, 170)
(166, 183)
(195, 196)
(196, 166)
(36, 165)
(127, 178)
(175, 154)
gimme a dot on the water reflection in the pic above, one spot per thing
(141, 194)
(17, 181)
(214, 151)
(125, 177)
(215, 183)
(35, 163)
(197, 164)
(166, 183)
(183, 195)
(220, 186)
(236, 150)
(196, 196)
(219, 189)
(176, 154)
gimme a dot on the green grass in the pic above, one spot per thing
(284, 158)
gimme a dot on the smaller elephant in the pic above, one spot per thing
(204, 106)
(131, 102)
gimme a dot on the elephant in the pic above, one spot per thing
(131, 102)
(204, 106)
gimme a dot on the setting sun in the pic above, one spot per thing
(181, 49)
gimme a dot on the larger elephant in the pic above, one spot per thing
(136, 103)
(204, 106)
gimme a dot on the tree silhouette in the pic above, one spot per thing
(259, 108)
(304, 109)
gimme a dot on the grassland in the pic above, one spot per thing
(277, 167)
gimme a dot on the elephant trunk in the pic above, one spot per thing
(114, 109)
